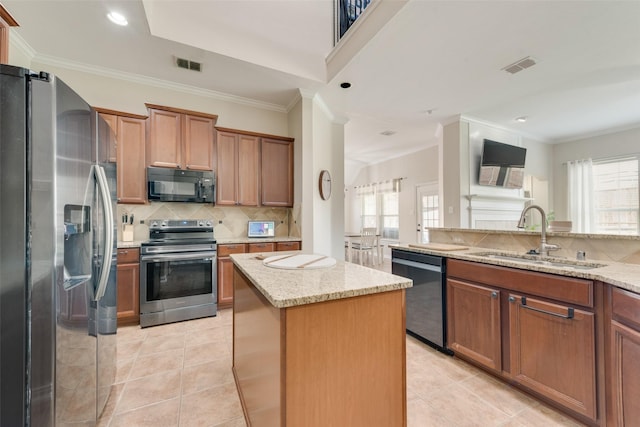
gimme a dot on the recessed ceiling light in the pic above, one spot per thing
(117, 18)
(345, 85)
(388, 132)
(521, 119)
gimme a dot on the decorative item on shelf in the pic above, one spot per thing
(324, 184)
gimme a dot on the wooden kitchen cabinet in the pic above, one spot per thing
(238, 168)
(253, 169)
(180, 139)
(110, 137)
(276, 160)
(474, 322)
(127, 148)
(624, 358)
(262, 247)
(288, 246)
(535, 330)
(198, 142)
(225, 272)
(552, 351)
(128, 305)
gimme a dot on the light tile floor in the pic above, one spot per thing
(179, 375)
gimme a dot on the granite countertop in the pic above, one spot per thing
(226, 240)
(132, 244)
(622, 275)
(231, 240)
(549, 233)
(289, 288)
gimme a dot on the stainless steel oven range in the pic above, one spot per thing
(177, 272)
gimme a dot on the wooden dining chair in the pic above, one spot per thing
(366, 245)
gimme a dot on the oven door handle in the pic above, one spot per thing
(206, 256)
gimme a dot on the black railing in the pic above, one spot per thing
(347, 13)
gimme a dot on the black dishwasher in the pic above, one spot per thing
(426, 300)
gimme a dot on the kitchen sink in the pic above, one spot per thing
(534, 259)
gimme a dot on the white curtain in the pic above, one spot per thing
(365, 189)
(581, 199)
(390, 186)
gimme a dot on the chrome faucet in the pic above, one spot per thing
(544, 246)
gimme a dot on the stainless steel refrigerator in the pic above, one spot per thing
(57, 254)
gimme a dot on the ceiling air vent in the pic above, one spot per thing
(188, 65)
(520, 65)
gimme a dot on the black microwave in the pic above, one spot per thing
(176, 185)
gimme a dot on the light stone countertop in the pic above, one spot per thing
(622, 275)
(132, 244)
(232, 240)
(227, 240)
(537, 233)
(289, 288)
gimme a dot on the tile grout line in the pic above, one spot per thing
(184, 357)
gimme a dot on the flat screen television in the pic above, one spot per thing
(502, 165)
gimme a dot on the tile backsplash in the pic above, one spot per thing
(597, 246)
(229, 221)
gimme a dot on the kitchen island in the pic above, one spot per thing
(319, 347)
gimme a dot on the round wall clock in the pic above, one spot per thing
(324, 184)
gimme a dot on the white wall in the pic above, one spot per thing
(454, 169)
(131, 96)
(417, 168)
(500, 207)
(328, 153)
(598, 147)
(17, 53)
(319, 146)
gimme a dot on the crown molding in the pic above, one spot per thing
(17, 42)
(21, 44)
(150, 81)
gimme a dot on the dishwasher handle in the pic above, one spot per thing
(419, 265)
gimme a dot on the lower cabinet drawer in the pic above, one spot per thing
(287, 246)
(262, 247)
(235, 248)
(128, 255)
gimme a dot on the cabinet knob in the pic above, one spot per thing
(512, 299)
(494, 294)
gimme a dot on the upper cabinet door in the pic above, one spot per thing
(112, 121)
(198, 142)
(227, 167)
(127, 146)
(248, 170)
(165, 139)
(132, 182)
(277, 172)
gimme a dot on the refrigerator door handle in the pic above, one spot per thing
(101, 178)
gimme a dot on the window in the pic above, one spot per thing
(379, 207)
(616, 196)
(390, 218)
(369, 210)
